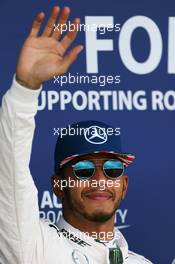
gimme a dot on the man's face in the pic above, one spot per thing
(97, 198)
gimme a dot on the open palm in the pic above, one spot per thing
(43, 56)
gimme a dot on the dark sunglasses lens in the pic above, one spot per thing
(84, 169)
(113, 168)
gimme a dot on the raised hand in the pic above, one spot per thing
(44, 56)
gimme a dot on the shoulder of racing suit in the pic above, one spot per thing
(137, 259)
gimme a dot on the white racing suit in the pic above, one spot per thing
(24, 238)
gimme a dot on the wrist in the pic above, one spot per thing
(30, 84)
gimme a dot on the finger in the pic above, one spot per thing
(70, 58)
(71, 35)
(51, 21)
(37, 24)
(61, 23)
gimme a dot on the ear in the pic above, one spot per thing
(125, 186)
(56, 186)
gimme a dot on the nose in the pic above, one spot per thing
(99, 174)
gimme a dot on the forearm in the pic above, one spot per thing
(18, 194)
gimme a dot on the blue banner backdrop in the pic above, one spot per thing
(128, 67)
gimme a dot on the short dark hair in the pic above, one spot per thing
(61, 172)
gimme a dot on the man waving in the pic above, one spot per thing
(85, 234)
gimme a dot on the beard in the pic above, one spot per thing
(98, 216)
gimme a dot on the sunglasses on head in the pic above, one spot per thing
(85, 169)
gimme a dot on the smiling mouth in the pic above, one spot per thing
(98, 196)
